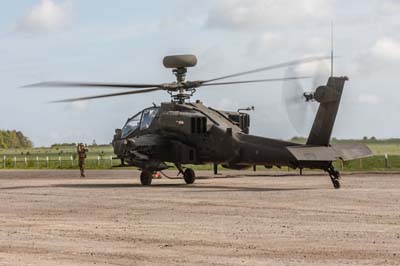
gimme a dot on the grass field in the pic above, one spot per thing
(385, 148)
(101, 157)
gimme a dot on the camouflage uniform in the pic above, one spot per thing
(82, 150)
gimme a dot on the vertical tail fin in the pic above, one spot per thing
(329, 98)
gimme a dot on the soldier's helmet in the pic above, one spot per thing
(80, 147)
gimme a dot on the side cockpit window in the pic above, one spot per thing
(130, 126)
(148, 117)
(142, 120)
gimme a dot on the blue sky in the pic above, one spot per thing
(125, 41)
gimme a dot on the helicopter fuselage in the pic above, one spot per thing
(191, 133)
(181, 132)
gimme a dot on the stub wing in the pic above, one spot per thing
(334, 152)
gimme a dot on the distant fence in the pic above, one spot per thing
(52, 162)
(378, 162)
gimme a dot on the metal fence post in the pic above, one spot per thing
(59, 159)
(37, 162)
(15, 161)
(26, 162)
(47, 161)
(4, 161)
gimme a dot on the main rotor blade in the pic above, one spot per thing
(90, 84)
(255, 81)
(107, 95)
(281, 65)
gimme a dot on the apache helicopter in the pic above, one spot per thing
(184, 132)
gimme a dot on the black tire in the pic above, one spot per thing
(189, 176)
(146, 177)
(336, 183)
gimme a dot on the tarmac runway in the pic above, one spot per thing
(238, 218)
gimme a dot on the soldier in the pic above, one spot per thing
(117, 144)
(82, 150)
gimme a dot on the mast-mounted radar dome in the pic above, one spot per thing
(180, 61)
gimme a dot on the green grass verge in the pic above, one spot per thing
(99, 157)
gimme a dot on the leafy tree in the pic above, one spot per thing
(12, 139)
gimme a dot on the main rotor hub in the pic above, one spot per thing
(180, 74)
(179, 65)
(184, 91)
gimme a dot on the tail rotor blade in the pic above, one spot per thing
(321, 75)
(300, 112)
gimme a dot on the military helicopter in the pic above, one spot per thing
(182, 132)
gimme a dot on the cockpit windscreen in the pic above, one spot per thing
(131, 125)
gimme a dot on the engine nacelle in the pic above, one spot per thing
(184, 122)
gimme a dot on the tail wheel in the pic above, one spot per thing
(189, 176)
(336, 183)
(146, 177)
(335, 176)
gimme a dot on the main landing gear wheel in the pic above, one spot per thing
(335, 177)
(146, 177)
(189, 176)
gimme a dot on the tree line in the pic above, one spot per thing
(12, 139)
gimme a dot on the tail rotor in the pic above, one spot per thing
(299, 103)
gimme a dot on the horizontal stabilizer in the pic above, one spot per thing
(335, 152)
(352, 151)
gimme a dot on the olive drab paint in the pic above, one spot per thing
(183, 132)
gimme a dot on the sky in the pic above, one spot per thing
(125, 41)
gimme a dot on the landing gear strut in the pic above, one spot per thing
(335, 176)
(215, 169)
(188, 175)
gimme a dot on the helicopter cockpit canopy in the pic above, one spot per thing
(148, 117)
(141, 120)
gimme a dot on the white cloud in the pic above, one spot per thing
(263, 43)
(227, 104)
(47, 16)
(390, 6)
(387, 48)
(265, 13)
(369, 99)
(382, 55)
(70, 136)
(79, 105)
